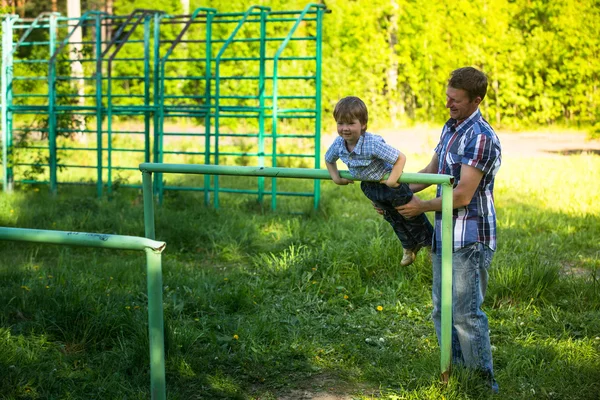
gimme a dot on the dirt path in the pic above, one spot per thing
(422, 140)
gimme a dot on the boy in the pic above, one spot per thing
(368, 158)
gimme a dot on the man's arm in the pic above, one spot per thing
(461, 195)
(335, 174)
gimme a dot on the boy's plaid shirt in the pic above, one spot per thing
(370, 159)
(474, 143)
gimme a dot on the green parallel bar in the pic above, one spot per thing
(278, 172)
(447, 247)
(153, 250)
(446, 181)
(81, 239)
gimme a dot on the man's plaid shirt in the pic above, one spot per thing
(473, 143)
(370, 159)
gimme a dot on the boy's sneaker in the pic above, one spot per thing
(410, 255)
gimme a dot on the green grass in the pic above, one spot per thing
(259, 305)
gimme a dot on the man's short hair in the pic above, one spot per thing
(471, 80)
(350, 108)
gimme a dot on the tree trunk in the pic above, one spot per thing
(392, 70)
(54, 6)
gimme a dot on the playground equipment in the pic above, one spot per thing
(217, 88)
(153, 250)
(446, 181)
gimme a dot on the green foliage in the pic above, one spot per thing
(397, 55)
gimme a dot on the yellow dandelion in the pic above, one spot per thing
(314, 269)
(47, 287)
(379, 308)
(345, 297)
(235, 337)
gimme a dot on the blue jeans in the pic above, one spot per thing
(471, 346)
(412, 232)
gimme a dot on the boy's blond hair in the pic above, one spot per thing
(350, 108)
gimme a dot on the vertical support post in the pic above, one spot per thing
(447, 246)
(261, 101)
(207, 102)
(51, 103)
(319, 51)
(148, 205)
(156, 325)
(99, 181)
(147, 89)
(155, 301)
(159, 104)
(5, 100)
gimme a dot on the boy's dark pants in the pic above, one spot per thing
(412, 232)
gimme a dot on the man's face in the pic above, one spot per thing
(461, 107)
(350, 131)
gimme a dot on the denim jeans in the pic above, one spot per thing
(412, 232)
(471, 346)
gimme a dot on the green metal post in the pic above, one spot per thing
(317, 183)
(261, 97)
(51, 106)
(99, 180)
(5, 99)
(147, 111)
(158, 102)
(156, 325)
(447, 239)
(153, 251)
(207, 101)
(148, 204)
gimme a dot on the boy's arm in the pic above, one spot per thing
(335, 174)
(396, 173)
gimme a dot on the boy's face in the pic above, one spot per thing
(350, 131)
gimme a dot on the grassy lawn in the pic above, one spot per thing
(259, 305)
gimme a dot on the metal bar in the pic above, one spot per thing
(301, 173)
(153, 250)
(51, 105)
(318, 82)
(98, 79)
(6, 100)
(102, 240)
(447, 239)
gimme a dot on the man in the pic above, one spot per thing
(470, 151)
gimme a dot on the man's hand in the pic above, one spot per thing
(342, 181)
(411, 209)
(376, 207)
